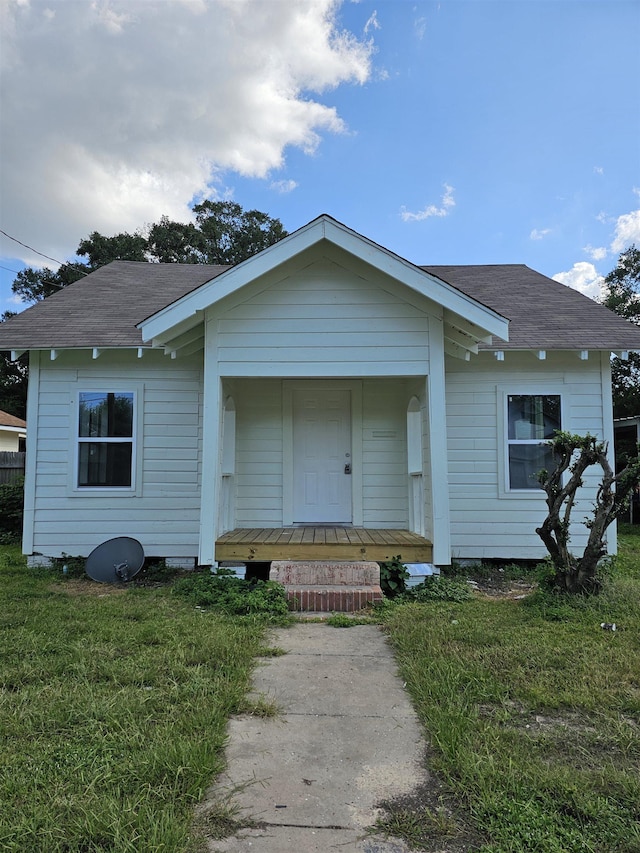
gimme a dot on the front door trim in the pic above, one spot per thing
(355, 387)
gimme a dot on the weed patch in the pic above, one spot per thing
(222, 592)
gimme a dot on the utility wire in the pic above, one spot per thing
(48, 257)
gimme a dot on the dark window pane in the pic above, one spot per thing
(525, 461)
(105, 415)
(533, 416)
(104, 463)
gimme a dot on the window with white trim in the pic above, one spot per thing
(105, 439)
(532, 420)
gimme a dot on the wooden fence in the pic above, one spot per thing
(11, 466)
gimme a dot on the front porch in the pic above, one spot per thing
(326, 543)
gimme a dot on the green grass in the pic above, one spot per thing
(533, 713)
(113, 710)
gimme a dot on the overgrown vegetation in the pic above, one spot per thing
(223, 592)
(532, 710)
(11, 510)
(113, 710)
(393, 577)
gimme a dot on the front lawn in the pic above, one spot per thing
(113, 708)
(532, 710)
(114, 703)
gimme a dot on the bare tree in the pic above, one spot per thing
(574, 454)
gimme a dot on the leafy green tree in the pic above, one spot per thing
(101, 250)
(223, 233)
(231, 235)
(174, 242)
(13, 381)
(622, 295)
(32, 285)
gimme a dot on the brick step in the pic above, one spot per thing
(323, 573)
(311, 598)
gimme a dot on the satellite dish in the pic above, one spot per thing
(116, 560)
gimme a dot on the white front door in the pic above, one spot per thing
(322, 457)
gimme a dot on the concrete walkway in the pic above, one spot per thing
(347, 738)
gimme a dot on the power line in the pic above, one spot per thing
(43, 280)
(31, 249)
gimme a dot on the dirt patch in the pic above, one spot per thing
(79, 586)
(514, 590)
(429, 819)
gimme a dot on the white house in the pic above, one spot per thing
(325, 398)
(13, 432)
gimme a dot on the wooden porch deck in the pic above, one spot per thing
(265, 544)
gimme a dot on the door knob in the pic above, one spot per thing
(347, 468)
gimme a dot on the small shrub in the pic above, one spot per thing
(223, 592)
(12, 509)
(393, 577)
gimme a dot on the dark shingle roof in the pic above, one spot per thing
(102, 310)
(542, 313)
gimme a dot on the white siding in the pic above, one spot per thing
(486, 520)
(384, 453)
(260, 459)
(9, 441)
(322, 321)
(164, 513)
(259, 452)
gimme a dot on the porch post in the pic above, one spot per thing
(211, 449)
(438, 461)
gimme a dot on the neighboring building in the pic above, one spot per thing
(323, 393)
(13, 433)
(627, 438)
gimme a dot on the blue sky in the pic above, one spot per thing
(459, 131)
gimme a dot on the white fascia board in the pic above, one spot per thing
(417, 279)
(228, 282)
(324, 228)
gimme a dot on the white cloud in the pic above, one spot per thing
(627, 231)
(584, 277)
(598, 170)
(284, 186)
(539, 233)
(595, 253)
(124, 110)
(420, 27)
(373, 23)
(447, 203)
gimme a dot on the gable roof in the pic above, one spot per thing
(466, 320)
(107, 307)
